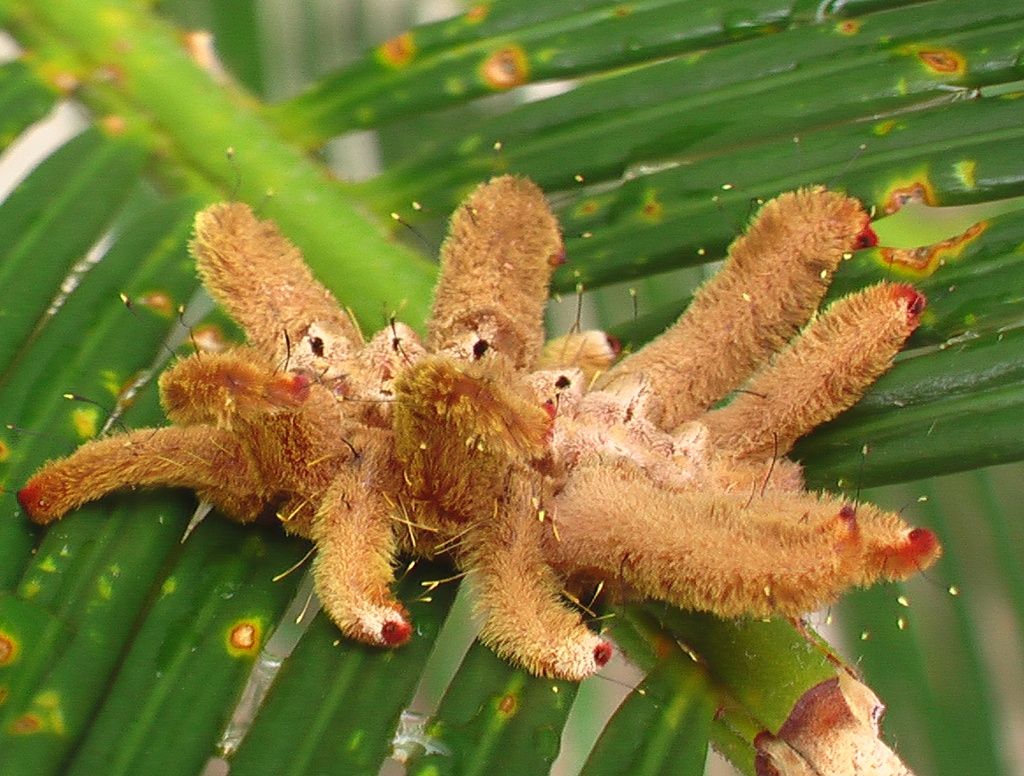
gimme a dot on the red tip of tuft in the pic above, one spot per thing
(921, 542)
(914, 300)
(848, 514)
(866, 239)
(919, 550)
(603, 653)
(550, 408)
(31, 499)
(395, 632)
(299, 387)
(614, 344)
(289, 389)
(557, 259)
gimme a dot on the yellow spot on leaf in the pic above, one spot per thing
(48, 564)
(477, 13)
(652, 210)
(356, 740)
(86, 421)
(469, 145)
(46, 716)
(30, 589)
(848, 27)
(170, 586)
(883, 128)
(966, 172)
(454, 85)
(5, 451)
(505, 68)
(113, 382)
(546, 55)
(397, 52)
(104, 587)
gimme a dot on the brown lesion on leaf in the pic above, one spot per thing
(8, 649)
(586, 208)
(652, 210)
(399, 51)
(923, 260)
(918, 189)
(159, 302)
(26, 724)
(943, 61)
(114, 125)
(209, 338)
(506, 68)
(508, 705)
(244, 638)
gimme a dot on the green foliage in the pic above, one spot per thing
(124, 651)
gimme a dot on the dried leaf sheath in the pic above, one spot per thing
(833, 729)
(531, 481)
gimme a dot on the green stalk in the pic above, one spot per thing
(131, 65)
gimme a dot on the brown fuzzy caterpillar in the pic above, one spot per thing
(539, 471)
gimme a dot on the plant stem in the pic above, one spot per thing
(132, 69)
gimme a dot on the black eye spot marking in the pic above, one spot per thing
(480, 347)
(562, 383)
(316, 344)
